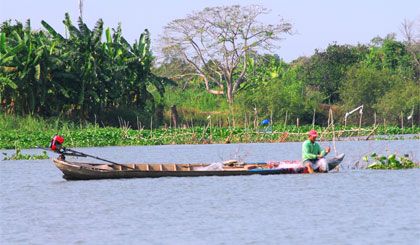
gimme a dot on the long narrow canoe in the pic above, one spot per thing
(86, 171)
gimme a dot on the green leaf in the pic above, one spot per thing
(52, 48)
(3, 42)
(52, 31)
(8, 82)
(37, 73)
(108, 35)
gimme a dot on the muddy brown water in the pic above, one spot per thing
(350, 206)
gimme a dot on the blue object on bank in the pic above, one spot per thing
(266, 121)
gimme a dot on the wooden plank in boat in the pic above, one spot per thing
(131, 166)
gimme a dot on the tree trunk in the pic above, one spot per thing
(229, 94)
(159, 113)
(174, 116)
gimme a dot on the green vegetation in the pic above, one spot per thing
(19, 156)
(390, 162)
(28, 132)
(78, 76)
(93, 80)
(382, 76)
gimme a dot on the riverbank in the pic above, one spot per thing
(31, 132)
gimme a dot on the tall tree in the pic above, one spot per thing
(217, 40)
(412, 40)
(324, 70)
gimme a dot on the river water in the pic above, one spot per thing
(350, 206)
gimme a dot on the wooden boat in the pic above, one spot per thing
(86, 171)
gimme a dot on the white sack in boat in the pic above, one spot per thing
(285, 165)
(216, 166)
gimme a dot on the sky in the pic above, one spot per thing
(316, 23)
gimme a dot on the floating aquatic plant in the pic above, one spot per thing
(19, 156)
(390, 162)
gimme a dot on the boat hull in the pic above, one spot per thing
(87, 171)
(74, 172)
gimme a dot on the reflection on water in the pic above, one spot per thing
(350, 206)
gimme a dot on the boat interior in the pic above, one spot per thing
(231, 165)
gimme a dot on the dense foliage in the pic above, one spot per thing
(28, 132)
(382, 76)
(81, 76)
(95, 74)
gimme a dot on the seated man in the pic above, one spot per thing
(312, 155)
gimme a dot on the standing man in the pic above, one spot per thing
(312, 155)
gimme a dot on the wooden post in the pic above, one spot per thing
(285, 122)
(402, 120)
(271, 125)
(151, 127)
(385, 126)
(211, 133)
(412, 126)
(255, 117)
(245, 120)
(329, 119)
(332, 124)
(297, 124)
(374, 117)
(313, 119)
(174, 114)
(233, 115)
(345, 125)
(360, 123)
(412, 118)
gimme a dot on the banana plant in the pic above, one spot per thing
(51, 74)
(21, 58)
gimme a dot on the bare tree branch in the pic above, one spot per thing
(413, 44)
(217, 41)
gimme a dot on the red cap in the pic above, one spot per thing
(313, 133)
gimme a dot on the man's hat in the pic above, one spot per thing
(313, 133)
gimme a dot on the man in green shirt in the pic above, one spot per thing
(312, 155)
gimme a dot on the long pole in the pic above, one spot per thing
(332, 124)
(87, 155)
(81, 154)
(360, 123)
(313, 119)
(81, 9)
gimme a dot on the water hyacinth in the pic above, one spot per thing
(19, 156)
(390, 162)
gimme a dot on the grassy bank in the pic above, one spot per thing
(28, 132)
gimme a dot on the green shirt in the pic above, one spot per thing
(311, 151)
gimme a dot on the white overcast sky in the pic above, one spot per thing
(317, 23)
